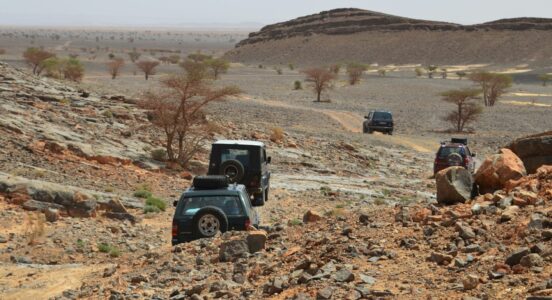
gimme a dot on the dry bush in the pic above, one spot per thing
(178, 112)
(466, 111)
(114, 67)
(335, 68)
(382, 72)
(277, 135)
(34, 227)
(134, 56)
(493, 85)
(419, 71)
(545, 78)
(218, 66)
(355, 71)
(35, 57)
(73, 69)
(148, 67)
(461, 74)
(320, 80)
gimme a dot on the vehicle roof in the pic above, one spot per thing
(239, 142)
(380, 110)
(453, 145)
(231, 190)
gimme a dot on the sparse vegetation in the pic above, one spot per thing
(217, 66)
(335, 68)
(156, 202)
(295, 222)
(177, 111)
(148, 67)
(35, 58)
(461, 74)
(108, 248)
(545, 78)
(134, 56)
(159, 154)
(444, 73)
(382, 72)
(355, 71)
(73, 69)
(419, 72)
(114, 67)
(493, 85)
(199, 57)
(34, 227)
(277, 135)
(431, 70)
(297, 85)
(466, 111)
(291, 67)
(320, 80)
(279, 70)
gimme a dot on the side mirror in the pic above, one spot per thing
(366, 117)
(269, 160)
(175, 202)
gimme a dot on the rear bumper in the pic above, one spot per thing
(380, 128)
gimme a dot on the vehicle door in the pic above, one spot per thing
(265, 169)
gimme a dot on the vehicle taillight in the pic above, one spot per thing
(254, 182)
(174, 229)
(247, 223)
(466, 161)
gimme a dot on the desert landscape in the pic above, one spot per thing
(87, 184)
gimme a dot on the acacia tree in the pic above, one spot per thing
(493, 85)
(218, 66)
(199, 57)
(148, 67)
(466, 111)
(114, 67)
(73, 69)
(320, 79)
(134, 56)
(177, 111)
(354, 71)
(35, 57)
(195, 68)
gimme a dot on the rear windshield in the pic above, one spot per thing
(230, 205)
(241, 155)
(378, 115)
(446, 151)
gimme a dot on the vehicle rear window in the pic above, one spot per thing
(378, 115)
(241, 155)
(230, 205)
(446, 151)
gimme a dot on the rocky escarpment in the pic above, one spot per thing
(370, 37)
(348, 21)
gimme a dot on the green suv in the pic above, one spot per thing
(209, 206)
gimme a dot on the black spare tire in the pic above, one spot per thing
(208, 221)
(232, 169)
(454, 159)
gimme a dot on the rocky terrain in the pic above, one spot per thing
(344, 35)
(350, 216)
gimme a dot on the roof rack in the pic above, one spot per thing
(210, 182)
(463, 141)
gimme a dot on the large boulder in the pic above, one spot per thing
(497, 170)
(534, 151)
(454, 184)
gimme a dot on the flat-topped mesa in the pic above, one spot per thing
(352, 20)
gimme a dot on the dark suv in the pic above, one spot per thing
(454, 153)
(378, 120)
(243, 162)
(209, 206)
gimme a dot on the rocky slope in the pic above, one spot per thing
(371, 37)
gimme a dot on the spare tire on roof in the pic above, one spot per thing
(210, 182)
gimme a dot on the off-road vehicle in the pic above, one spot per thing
(243, 162)
(454, 153)
(378, 120)
(211, 205)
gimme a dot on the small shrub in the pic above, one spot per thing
(461, 74)
(115, 252)
(107, 248)
(35, 227)
(379, 201)
(382, 72)
(297, 85)
(104, 247)
(261, 67)
(291, 67)
(151, 209)
(156, 202)
(295, 222)
(279, 71)
(107, 113)
(159, 154)
(143, 194)
(335, 68)
(419, 71)
(277, 135)
(80, 244)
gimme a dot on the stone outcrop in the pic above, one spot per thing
(454, 185)
(534, 151)
(497, 170)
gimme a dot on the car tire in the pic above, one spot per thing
(208, 221)
(454, 159)
(233, 169)
(370, 131)
(266, 194)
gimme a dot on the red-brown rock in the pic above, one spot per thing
(497, 170)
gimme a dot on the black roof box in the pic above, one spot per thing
(463, 141)
(210, 182)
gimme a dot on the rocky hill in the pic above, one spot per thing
(371, 37)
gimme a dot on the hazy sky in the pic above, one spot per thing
(175, 12)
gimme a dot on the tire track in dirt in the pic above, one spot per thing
(352, 122)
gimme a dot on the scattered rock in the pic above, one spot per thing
(256, 240)
(515, 257)
(311, 216)
(454, 185)
(233, 249)
(470, 282)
